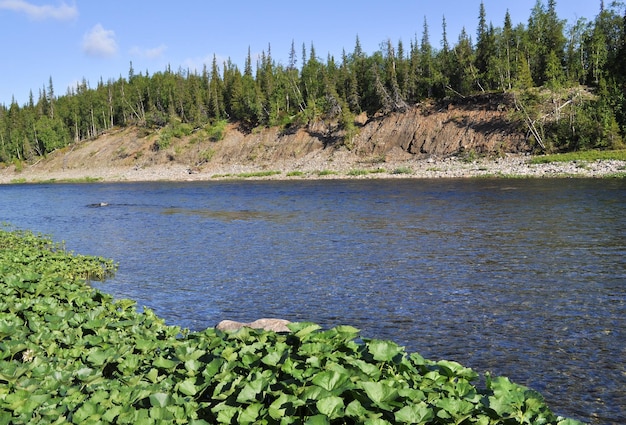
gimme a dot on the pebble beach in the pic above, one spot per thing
(509, 166)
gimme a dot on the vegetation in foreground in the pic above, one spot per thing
(71, 354)
(589, 156)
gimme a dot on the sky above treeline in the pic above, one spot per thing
(68, 41)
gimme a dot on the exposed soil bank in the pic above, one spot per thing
(468, 138)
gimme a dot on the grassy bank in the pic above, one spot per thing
(585, 156)
(70, 354)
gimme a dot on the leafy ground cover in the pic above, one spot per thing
(71, 354)
(589, 155)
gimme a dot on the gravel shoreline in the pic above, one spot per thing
(322, 168)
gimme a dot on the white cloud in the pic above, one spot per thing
(100, 42)
(154, 53)
(61, 12)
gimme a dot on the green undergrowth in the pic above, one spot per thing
(71, 354)
(590, 155)
(267, 173)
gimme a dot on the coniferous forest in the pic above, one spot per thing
(577, 67)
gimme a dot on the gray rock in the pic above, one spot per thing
(268, 324)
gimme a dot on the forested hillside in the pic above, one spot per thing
(577, 68)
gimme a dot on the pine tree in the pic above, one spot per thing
(575, 53)
(292, 57)
(482, 49)
(51, 98)
(390, 91)
(444, 58)
(545, 36)
(427, 73)
(463, 75)
(508, 45)
(524, 78)
(486, 56)
(350, 90)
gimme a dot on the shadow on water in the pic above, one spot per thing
(244, 215)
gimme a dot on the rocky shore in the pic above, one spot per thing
(338, 167)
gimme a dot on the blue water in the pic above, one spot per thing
(523, 278)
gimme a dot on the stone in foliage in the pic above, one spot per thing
(275, 325)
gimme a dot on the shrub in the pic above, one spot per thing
(258, 174)
(402, 170)
(326, 172)
(358, 172)
(217, 130)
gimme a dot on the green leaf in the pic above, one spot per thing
(193, 366)
(379, 392)
(87, 374)
(384, 351)
(88, 412)
(250, 414)
(188, 387)
(111, 413)
(185, 353)
(454, 369)
(330, 380)
(569, 422)
(355, 409)
(273, 358)
(160, 400)
(153, 375)
(415, 414)
(317, 420)
(161, 414)
(166, 364)
(277, 409)
(198, 422)
(369, 369)
(376, 421)
(455, 407)
(225, 413)
(250, 391)
(313, 392)
(212, 368)
(347, 330)
(100, 357)
(302, 330)
(332, 407)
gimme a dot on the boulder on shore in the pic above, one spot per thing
(275, 325)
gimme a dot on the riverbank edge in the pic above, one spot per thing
(508, 166)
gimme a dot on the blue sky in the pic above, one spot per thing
(71, 40)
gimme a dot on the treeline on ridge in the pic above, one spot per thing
(546, 55)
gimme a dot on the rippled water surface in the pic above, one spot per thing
(521, 278)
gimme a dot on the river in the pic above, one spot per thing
(522, 278)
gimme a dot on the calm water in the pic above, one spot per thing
(521, 278)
